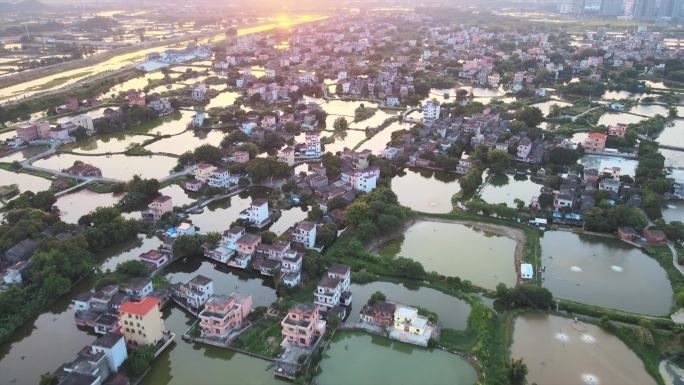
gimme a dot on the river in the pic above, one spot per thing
(65, 78)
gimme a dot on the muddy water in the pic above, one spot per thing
(604, 272)
(75, 205)
(559, 351)
(426, 190)
(487, 260)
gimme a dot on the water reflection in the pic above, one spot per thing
(426, 190)
(376, 360)
(438, 246)
(452, 312)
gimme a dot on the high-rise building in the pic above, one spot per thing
(592, 6)
(664, 9)
(644, 9)
(678, 9)
(612, 8)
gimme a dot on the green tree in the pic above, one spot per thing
(187, 246)
(498, 161)
(377, 296)
(516, 370)
(48, 379)
(209, 154)
(532, 116)
(341, 124)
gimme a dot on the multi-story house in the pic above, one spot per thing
(287, 156)
(407, 320)
(220, 178)
(524, 149)
(378, 313)
(141, 322)
(333, 288)
(158, 207)
(241, 156)
(305, 233)
(233, 235)
(247, 244)
(154, 258)
(195, 292)
(139, 288)
(617, 130)
(328, 293)
(302, 325)
(257, 213)
(361, 179)
(431, 110)
(223, 314)
(678, 184)
(203, 171)
(609, 184)
(199, 91)
(595, 142)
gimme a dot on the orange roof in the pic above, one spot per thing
(140, 308)
(597, 135)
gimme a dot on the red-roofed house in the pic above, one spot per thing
(141, 322)
(595, 142)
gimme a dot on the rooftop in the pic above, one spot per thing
(108, 340)
(139, 308)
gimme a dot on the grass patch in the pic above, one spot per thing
(11, 167)
(262, 338)
(137, 150)
(663, 255)
(484, 337)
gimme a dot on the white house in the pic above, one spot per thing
(195, 292)
(526, 271)
(257, 213)
(139, 288)
(199, 92)
(84, 121)
(313, 145)
(220, 178)
(305, 233)
(392, 101)
(113, 346)
(362, 180)
(198, 119)
(524, 149)
(609, 185)
(431, 110)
